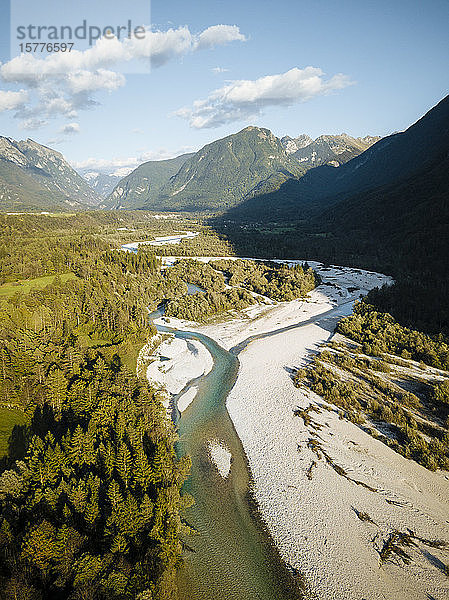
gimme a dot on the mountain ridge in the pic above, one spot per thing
(34, 176)
(327, 149)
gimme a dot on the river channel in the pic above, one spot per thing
(232, 556)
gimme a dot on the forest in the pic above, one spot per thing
(90, 488)
(231, 285)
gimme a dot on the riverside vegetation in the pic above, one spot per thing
(246, 278)
(370, 377)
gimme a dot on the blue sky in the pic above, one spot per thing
(378, 66)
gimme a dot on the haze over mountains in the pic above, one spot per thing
(102, 183)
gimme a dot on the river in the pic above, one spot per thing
(232, 557)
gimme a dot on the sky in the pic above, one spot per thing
(207, 68)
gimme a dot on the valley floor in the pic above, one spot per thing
(312, 511)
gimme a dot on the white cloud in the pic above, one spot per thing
(218, 35)
(124, 165)
(70, 128)
(63, 83)
(91, 81)
(219, 70)
(12, 100)
(32, 124)
(242, 99)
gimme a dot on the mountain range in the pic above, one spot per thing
(220, 176)
(391, 161)
(251, 174)
(333, 150)
(230, 170)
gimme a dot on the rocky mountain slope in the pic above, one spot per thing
(102, 183)
(332, 150)
(34, 177)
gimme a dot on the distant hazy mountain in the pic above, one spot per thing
(227, 171)
(141, 187)
(101, 183)
(34, 177)
(333, 150)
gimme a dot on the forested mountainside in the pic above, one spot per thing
(332, 150)
(223, 173)
(390, 161)
(399, 227)
(228, 171)
(34, 177)
(141, 187)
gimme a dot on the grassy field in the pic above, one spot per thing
(8, 418)
(26, 285)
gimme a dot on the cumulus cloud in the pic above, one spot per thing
(242, 99)
(70, 128)
(12, 100)
(218, 35)
(64, 82)
(91, 81)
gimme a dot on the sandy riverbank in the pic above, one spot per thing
(314, 521)
(173, 364)
(341, 286)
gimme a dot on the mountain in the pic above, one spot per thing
(34, 177)
(227, 171)
(333, 150)
(386, 210)
(292, 145)
(390, 161)
(101, 183)
(142, 186)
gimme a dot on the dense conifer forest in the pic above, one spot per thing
(90, 485)
(90, 488)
